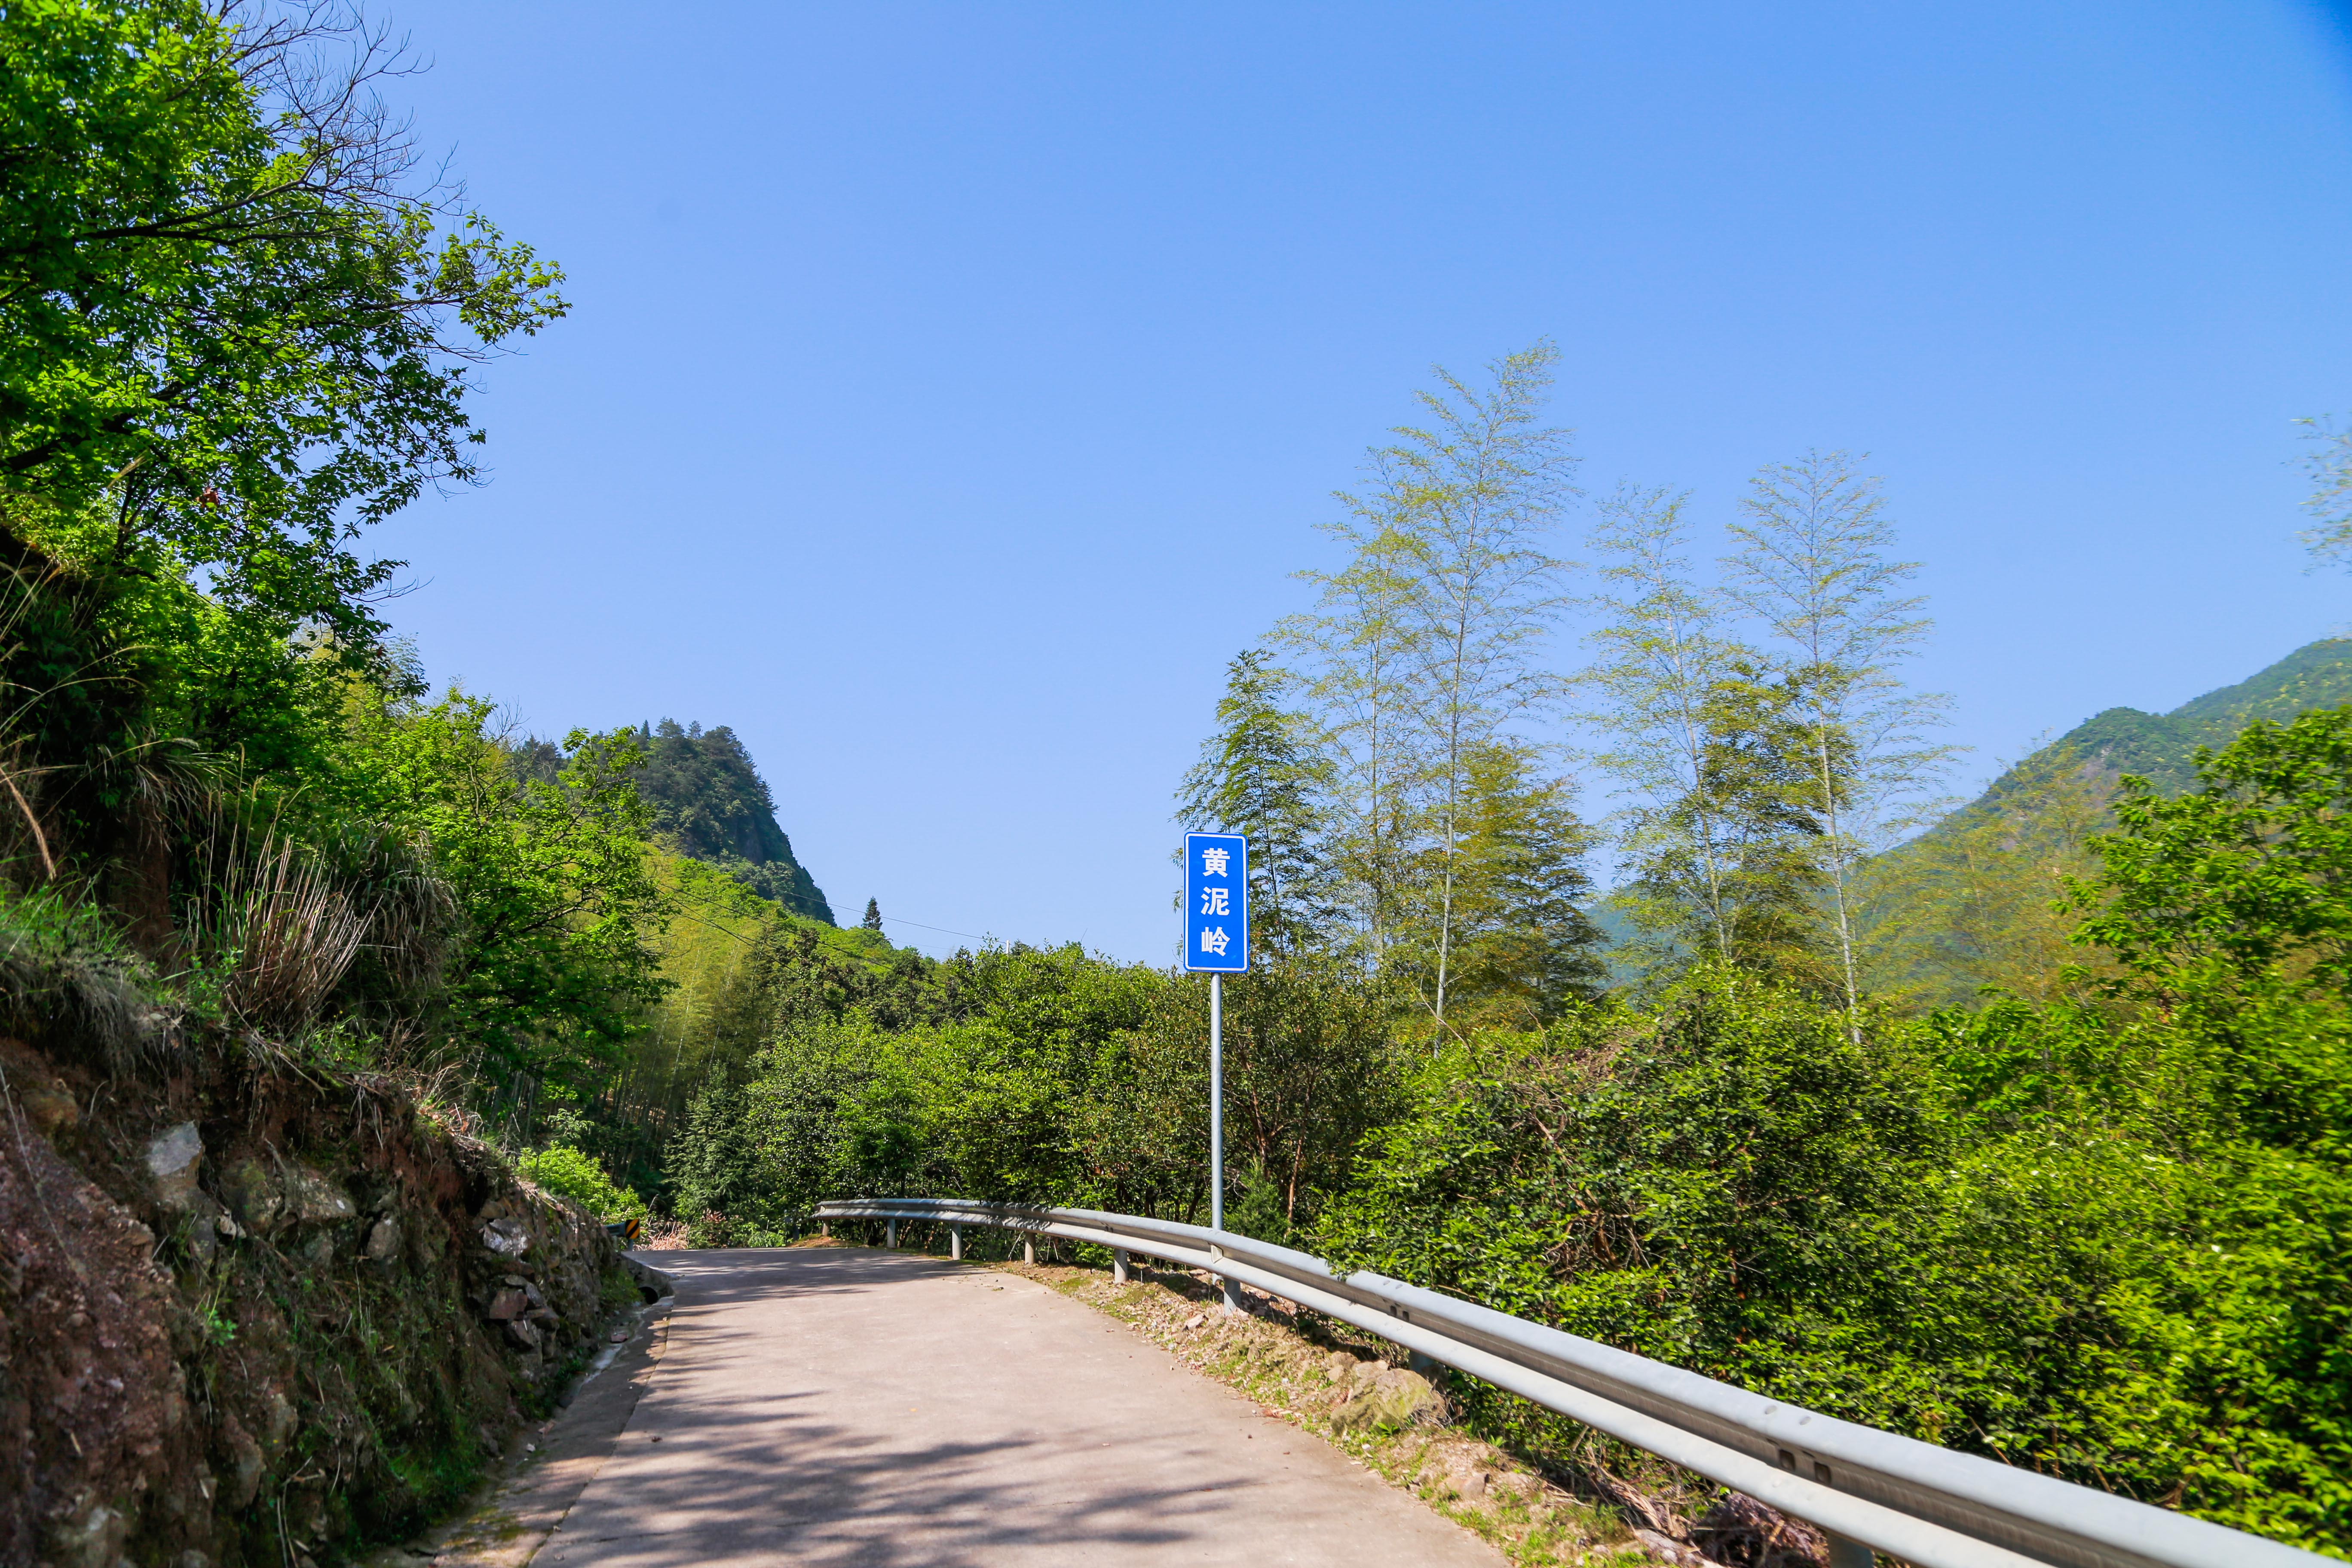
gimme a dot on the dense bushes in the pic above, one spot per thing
(2108, 1238)
(1054, 1077)
(566, 1172)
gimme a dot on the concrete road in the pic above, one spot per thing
(827, 1406)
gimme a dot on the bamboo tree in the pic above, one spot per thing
(1359, 655)
(2329, 463)
(1661, 655)
(1474, 496)
(1814, 566)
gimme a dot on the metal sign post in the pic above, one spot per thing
(1216, 1102)
(1216, 943)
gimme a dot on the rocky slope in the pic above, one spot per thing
(253, 1310)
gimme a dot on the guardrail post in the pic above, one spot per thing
(1029, 1250)
(890, 1234)
(1844, 1553)
(1118, 1265)
(955, 1241)
(1233, 1291)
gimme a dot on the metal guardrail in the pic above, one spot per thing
(1867, 1489)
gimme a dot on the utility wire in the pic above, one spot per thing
(898, 920)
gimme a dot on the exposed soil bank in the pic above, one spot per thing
(253, 1312)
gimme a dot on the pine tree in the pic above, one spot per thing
(1259, 774)
(873, 920)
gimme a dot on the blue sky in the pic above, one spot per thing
(950, 390)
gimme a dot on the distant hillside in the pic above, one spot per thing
(2162, 747)
(712, 803)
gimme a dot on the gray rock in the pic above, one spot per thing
(172, 1160)
(254, 1196)
(507, 1306)
(93, 1540)
(245, 1465)
(204, 1239)
(280, 1414)
(523, 1332)
(1394, 1399)
(505, 1238)
(384, 1241)
(312, 1199)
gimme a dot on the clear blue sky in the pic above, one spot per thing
(950, 390)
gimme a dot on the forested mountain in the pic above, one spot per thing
(1982, 898)
(710, 800)
(2162, 747)
(710, 804)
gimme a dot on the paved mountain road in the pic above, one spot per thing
(842, 1406)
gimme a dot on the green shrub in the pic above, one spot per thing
(567, 1173)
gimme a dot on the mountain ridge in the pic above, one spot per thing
(711, 803)
(2162, 747)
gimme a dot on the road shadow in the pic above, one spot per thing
(741, 1475)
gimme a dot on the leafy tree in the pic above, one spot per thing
(552, 881)
(714, 1164)
(1718, 1183)
(1310, 1070)
(568, 1173)
(234, 330)
(2244, 885)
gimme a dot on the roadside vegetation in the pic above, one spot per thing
(1603, 972)
(2023, 1135)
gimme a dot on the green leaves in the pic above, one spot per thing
(2246, 882)
(232, 332)
(553, 880)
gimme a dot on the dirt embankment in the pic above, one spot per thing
(256, 1313)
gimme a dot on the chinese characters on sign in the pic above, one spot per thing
(1216, 902)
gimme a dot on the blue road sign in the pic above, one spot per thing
(1216, 902)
